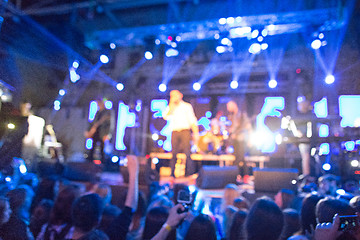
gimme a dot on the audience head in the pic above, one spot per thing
(104, 191)
(5, 210)
(161, 201)
(264, 221)
(308, 183)
(307, 215)
(291, 223)
(241, 203)
(327, 208)
(327, 185)
(40, 215)
(237, 226)
(201, 228)
(87, 211)
(351, 186)
(284, 198)
(154, 220)
(230, 194)
(108, 216)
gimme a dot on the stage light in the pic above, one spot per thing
(173, 44)
(170, 38)
(171, 52)
(321, 35)
(62, 92)
(324, 149)
(75, 64)
(157, 42)
(272, 83)
(260, 38)
(74, 77)
(208, 114)
(255, 33)
(155, 160)
(8, 179)
(238, 19)
(104, 59)
(278, 139)
(264, 46)
(11, 126)
(293, 182)
(115, 159)
(108, 104)
(222, 21)
(120, 86)
(354, 163)
(340, 191)
(57, 104)
(230, 20)
(316, 44)
(271, 27)
(155, 136)
(239, 32)
(234, 84)
(330, 79)
(196, 86)
(178, 38)
(148, 55)
(138, 105)
(162, 87)
(349, 146)
(220, 49)
(22, 168)
(112, 45)
(255, 48)
(226, 41)
(326, 166)
(264, 32)
(217, 36)
(192, 189)
(160, 143)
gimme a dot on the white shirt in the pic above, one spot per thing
(182, 117)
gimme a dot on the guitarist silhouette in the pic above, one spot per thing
(100, 129)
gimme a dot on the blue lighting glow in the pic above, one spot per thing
(89, 143)
(225, 41)
(138, 105)
(112, 45)
(108, 104)
(92, 110)
(323, 130)
(104, 59)
(255, 33)
(120, 86)
(196, 86)
(255, 48)
(330, 79)
(62, 92)
(74, 77)
(326, 166)
(349, 146)
(208, 114)
(272, 83)
(57, 105)
(171, 52)
(22, 168)
(321, 108)
(349, 110)
(125, 119)
(155, 160)
(160, 143)
(220, 49)
(158, 106)
(316, 44)
(324, 149)
(115, 159)
(205, 122)
(148, 55)
(75, 64)
(162, 87)
(234, 84)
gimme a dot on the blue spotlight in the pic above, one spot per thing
(316, 44)
(74, 77)
(89, 143)
(220, 49)
(171, 52)
(255, 48)
(272, 83)
(62, 92)
(162, 87)
(234, 84)
(75, 64)
(148, 55)
(120, 86)
(57, 104)
(108, 104)
(112, 45)
(196, 86)
(326, 166)
(330, 79)
(104, 59)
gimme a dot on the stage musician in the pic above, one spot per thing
(100, 130)
(240, 127)
(182, 121)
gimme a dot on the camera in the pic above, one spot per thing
(348, 222)
(185, 198)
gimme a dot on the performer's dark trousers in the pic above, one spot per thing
(97, 140)
(180, 142)
(239, 152)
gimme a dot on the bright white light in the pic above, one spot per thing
(255, 33)
(22, 169)
(255, 48)
(230, 20)
(155, 160)
(340, 191)
(8, 179)
(173, 44)
(62, 92)
(74, 77)
(217, 36)
(108, 104)
(271, 27)
(316, 44)
(264, 32)
(264, 46)
(115, 159)
(300, 99)
(234, 84)
(155, 136)
(238, 19)
(75, 64)
(330, 79)
(57, 107)
(11, 126)
(293, 182)
(157, 42)
(240, 31)
(196, 86)
(354, 163)
(162, 87)
(321, 35)
(112, 45)
(278, 139)
(272, 83)
(222, 21)
(178, 38)
(326, 166)
(220, 49)
(120, 86)
(104, 59)
(226, 41)
(192, 189)
(171, 52)
(148, 55)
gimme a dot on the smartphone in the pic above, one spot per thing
(348, 222)
(184, 197)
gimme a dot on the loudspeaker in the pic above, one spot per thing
(82, 171)
(274, 179)
(214, 177)
(146, 174)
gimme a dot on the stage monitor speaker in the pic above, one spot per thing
(146, 174)
(214, 177)
(82, 171)
(274, 179)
